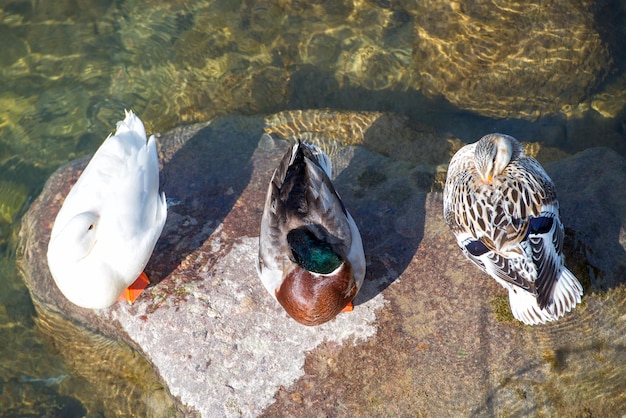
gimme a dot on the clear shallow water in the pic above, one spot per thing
(67, 72)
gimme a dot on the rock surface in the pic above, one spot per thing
(429, 335)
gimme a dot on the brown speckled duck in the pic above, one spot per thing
(502, 208)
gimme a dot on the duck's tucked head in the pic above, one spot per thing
(493, 153)
(319, 284)
(312, 253)
(77, 238)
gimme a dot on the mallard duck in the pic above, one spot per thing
(110, 221)
(311, 256)
(502, 208)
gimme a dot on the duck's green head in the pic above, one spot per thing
(318, 285)
(312, 253)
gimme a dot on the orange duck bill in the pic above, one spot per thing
(132, 292)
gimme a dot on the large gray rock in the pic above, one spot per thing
(430, 335)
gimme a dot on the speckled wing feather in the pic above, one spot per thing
(545, 238)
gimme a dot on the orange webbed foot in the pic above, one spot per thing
(132, 292)
(349, 308)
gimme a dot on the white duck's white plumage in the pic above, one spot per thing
(110, 221)
(311, 257)
(502, 208)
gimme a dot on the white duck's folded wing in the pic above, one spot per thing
(109, 166)
(144, 207)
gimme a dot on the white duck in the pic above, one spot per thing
(311, 256)
(110, 221)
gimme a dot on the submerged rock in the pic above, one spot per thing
(426, 336)
(510, 59)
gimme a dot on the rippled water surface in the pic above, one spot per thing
(547, 73)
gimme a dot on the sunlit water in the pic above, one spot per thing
(68, 69)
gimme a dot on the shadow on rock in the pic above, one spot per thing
(204, 173)
(590, 186)
(389, 213)
(385, 187)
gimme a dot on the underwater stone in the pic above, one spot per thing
(509, 59)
